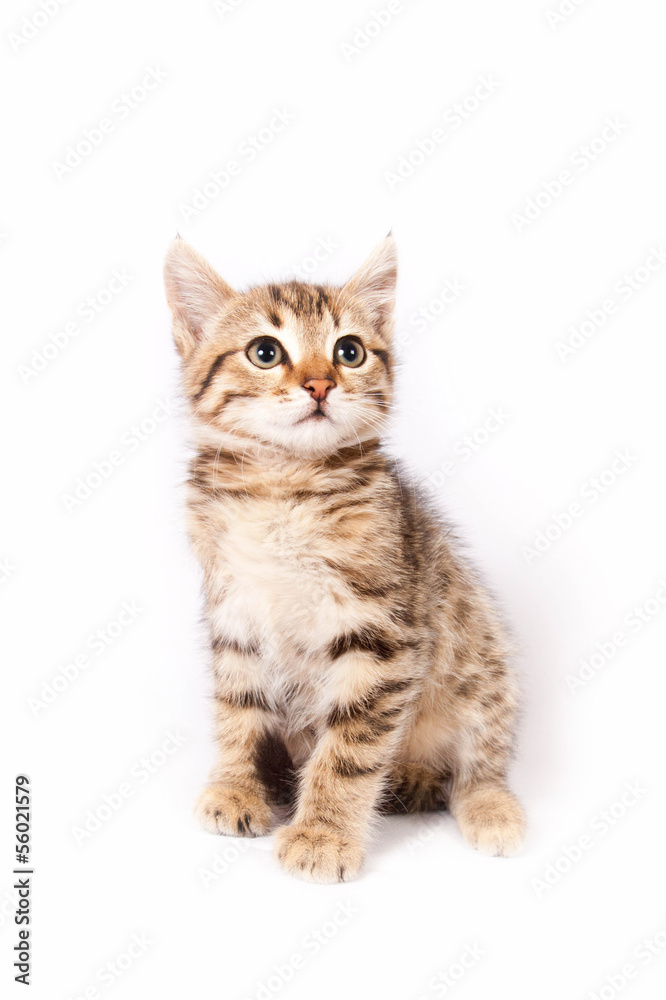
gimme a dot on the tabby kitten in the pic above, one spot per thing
(359, 665)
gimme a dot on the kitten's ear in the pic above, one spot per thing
(374, 283)
(194, 291)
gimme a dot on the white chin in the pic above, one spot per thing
(310, 438)
(315, 436)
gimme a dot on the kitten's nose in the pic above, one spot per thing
(318, 387)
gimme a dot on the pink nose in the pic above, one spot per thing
(319, 387)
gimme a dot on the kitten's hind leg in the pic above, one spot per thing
(489, 816)
(481, 712)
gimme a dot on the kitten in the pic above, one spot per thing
(359, 665)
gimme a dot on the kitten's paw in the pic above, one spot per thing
(491, 819)
(318, 854)
(233, 811)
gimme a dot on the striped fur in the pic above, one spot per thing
(359, 664)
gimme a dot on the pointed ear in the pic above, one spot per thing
(374, 283)
(194, 291)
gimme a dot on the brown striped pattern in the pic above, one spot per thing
(359, 665)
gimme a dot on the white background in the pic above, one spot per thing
(424, 896)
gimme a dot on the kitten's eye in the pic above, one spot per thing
(349, 351)
(265, 353)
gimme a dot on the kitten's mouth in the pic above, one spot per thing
(317, 414)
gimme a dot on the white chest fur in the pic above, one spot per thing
(270, 558)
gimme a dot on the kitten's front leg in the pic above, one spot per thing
(342, 782)
(237, 800)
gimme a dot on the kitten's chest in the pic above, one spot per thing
(275, 541)
(273, 559)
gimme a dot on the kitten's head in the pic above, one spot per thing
(304, 369)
